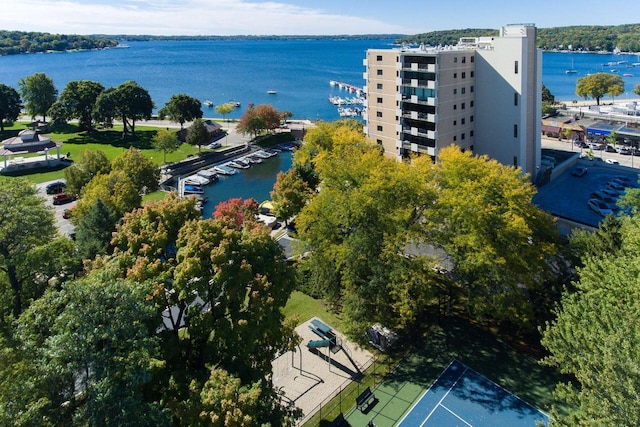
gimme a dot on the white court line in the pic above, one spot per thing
(444, 397)
(456, 415)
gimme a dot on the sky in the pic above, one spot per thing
(302, 17)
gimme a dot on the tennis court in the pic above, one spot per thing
(462, 397)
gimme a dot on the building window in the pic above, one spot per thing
(471, 119)
(471, 135)
(455, 59)
(379, 72)
(379, 58)
(515, 131)
(455, 106)
(462, 137)
(515, 98)
(464, 75)
(379, 85)
(463, 105)
(462, 90)
(379, 128)
(464, 59)
(515, 67)
(455, 138)
(462, 121)
(471, 58)
(455, 75)
(515, 161)
(378, 113)
(455, 91)
(379, 100)
(471, 104)
(472, 74)
(455, 122)
(471, 89)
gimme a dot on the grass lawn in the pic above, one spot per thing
(109, 141)
(306, 307)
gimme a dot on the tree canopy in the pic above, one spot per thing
(598, 85)
(181, 108)
(129, 102)
(596, 336)
(197, 134)
(144, 174)
(290, 194)
(77, 101)
(258, 119)
(39, 93)
(10, 105)
(89, 164)
(166, 141)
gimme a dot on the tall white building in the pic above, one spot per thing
(483, 95)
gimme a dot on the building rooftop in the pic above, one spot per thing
(566, 196)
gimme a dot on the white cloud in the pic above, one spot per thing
(187, 17)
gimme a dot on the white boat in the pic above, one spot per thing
(263, 154)
(238, 165)
(192, 189)
(271, 92)
(571, 70)
(252, 159)
(224, 169)
(208, 103)
(197, 180)
(243, 162)
(209, 174)
(627, 75)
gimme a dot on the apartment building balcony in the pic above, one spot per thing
(414, 99)
(417, 115)
(418, 132)
(418, 83)
(422, 68)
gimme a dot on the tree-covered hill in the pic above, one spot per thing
(14, 42)
(590, 38)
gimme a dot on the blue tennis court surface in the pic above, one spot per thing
(462, 397)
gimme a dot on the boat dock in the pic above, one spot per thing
(348, 106)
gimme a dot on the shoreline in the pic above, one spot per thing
(590, 102)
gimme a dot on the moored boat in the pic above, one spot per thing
(197, 180)
(238, 165)
(193, 189)
(224, 169)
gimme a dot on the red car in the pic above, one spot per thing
(62, 198)
(67, 213)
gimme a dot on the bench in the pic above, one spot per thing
(364, 399)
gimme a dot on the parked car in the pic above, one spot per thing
(214, 145)
(612, 161)
(63, 198)
(624, 150)
(609, 192)
(599, 207)
(55, 187)
(608, 200)
(616, 187)
(66, 214)
(579, 171)
(610, 149)
(580, 144)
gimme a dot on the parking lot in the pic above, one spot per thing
(65, 227)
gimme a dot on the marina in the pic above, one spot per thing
(348, 106)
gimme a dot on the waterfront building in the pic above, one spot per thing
(484, 95)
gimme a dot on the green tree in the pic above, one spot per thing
(91, 348)
(224, 109)
(290, 194)
(636, 89)
(357, 228)
(599, 84)
(77, 101)
(140, 169)
(499, 242)
(94, 230)
(181, 108)
(166, 141)
(129, 102)
(88, 165)
(547, 96)
(197, 134)
(25, 225)
(221, 289)
(595, 337)
(115, 189)
(39, 94)
(9, 105)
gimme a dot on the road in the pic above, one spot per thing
(65, 227)
(624, 160)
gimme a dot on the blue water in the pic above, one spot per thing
(255, 182)
(299, 70)
(244, 70)
(563, 85)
